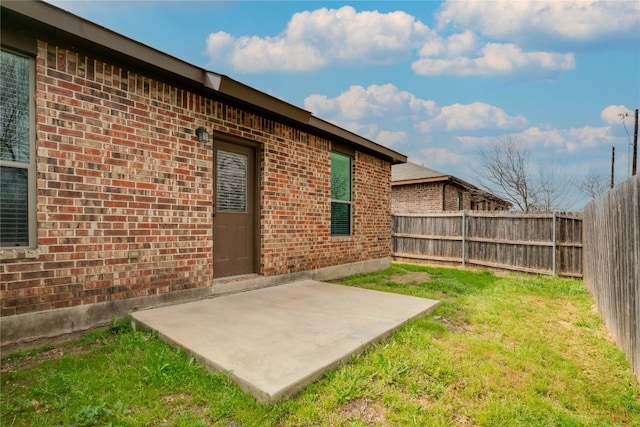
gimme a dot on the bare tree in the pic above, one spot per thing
(594, 185)
(553, 191)
(506, 172)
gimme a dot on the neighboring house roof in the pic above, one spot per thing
(412, 173)
(49, 21)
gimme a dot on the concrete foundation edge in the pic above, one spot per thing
(30, 329)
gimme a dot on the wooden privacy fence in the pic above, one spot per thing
(532, 243)
(612, 263)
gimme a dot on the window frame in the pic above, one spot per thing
(349, 202)
(30, 167)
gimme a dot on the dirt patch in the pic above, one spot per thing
(457, 325)
(367, 410)
(10, 363)
(180, 397)
(462, 420)
(411, 277)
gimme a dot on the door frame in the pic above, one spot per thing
(256, 199)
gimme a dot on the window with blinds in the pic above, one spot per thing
(231, 187)
(17, 165)
(341, 202)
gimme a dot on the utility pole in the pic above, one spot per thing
(613, 163)
(635, 147)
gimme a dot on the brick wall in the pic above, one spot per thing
(416, 198)
(412, 198)
(296, 209)
(451, 198)
(119, 170)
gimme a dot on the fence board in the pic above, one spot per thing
(521, 242)
(612, 263)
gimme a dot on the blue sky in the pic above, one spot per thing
(437, 81)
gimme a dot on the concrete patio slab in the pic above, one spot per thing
(275, 341)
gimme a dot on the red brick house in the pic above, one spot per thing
(131, 179)
(416, 188)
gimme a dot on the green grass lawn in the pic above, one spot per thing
(499, 351)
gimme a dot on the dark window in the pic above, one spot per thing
(459, 201)
(340, 195)
(17, 166)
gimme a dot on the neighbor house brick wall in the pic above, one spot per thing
(413, 198)
(119, 170)
(451, 198)
(428, 196)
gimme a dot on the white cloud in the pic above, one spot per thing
(587, 136)
(344, 37)
(569, 140)
(614, 114)
(440, 156)
(454, 45)
(391, 139)
(576, 20)
(219, 46)
(386, 105)
(461, 44)
(493, 59)
(471, 117)
(268, 54)
(367, 130)
(534, 136)
(371, 102)
(314, 39)
(361, 110)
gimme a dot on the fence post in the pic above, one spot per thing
(464, 226)
(553, 256)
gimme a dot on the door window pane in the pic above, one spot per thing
(14, 209)
(231, 182)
